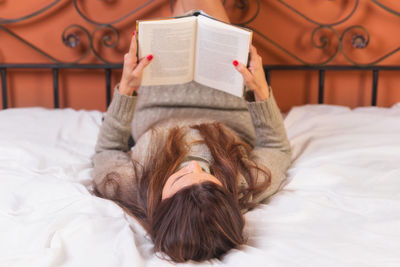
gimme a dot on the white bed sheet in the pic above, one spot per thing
(340, 206)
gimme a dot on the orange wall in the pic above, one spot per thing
(85, 89)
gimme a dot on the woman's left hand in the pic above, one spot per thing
(133, 70)
(254, 76)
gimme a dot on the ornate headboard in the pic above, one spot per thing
(291, 34)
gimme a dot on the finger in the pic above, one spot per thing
(141, 65)
(129, 62)
(247, 76)
(255, 64)
(255, 58)
(253, 53)
(133, 46)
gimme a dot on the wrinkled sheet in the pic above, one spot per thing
(339, 207)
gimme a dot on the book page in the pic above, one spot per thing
(218, 44)
(171, 41)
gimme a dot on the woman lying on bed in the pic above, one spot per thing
(201, 157)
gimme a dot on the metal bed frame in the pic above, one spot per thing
(360, 40)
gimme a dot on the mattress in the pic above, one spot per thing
(340, 205)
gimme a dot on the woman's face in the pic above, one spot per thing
(187, 176)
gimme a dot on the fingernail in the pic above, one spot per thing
(235, 63)
(134, 33)
(149, 57)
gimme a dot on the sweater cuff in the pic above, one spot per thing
(264, 112)
(122, 106)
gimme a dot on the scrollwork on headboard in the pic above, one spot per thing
(357, 36)
(360, 37)
(70, 36)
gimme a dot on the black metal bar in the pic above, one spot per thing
(108, 86)
(375, 74)
(4, 87)
(61, 66)
(321, 85)
(268, 76)
(329, 67)
(269, 67)
(55, 88)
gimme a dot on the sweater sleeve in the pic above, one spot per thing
(112, 164)
(272, 148)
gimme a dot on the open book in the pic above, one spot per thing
(195, 47)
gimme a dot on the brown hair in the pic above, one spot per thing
(202, 221)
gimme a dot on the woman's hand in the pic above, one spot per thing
(132, 71)
(254, 76)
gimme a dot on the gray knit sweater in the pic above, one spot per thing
(160, 108)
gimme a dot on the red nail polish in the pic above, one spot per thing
(235, 63)
(134, 33)
(149, 57)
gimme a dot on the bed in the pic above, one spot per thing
(340, 205)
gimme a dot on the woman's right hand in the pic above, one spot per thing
(254, 76)
(132, 70)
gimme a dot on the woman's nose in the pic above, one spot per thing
(195, 166)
